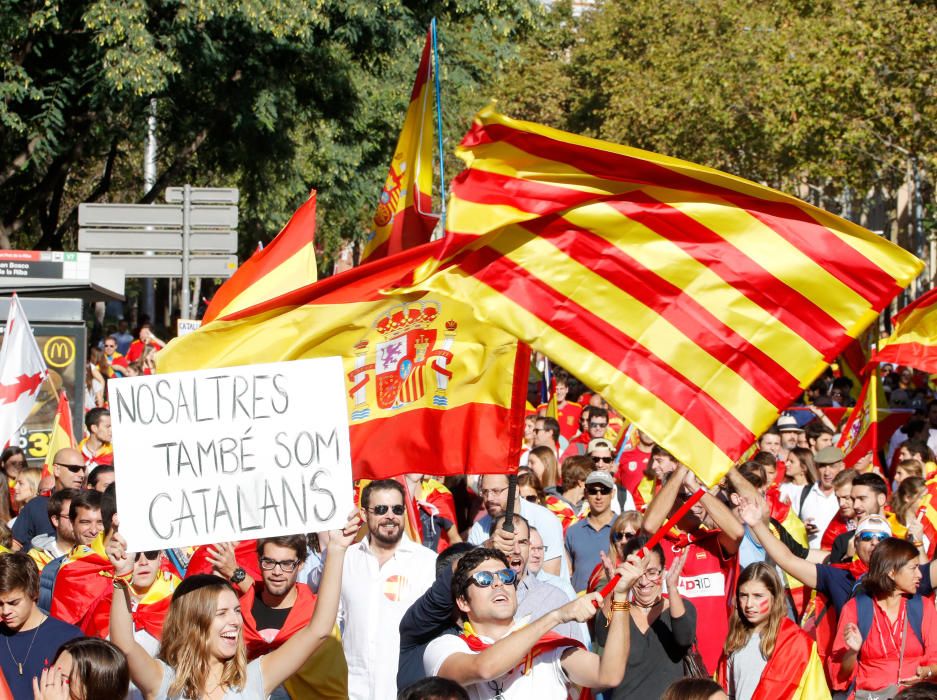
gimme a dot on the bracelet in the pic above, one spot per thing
(617, 606)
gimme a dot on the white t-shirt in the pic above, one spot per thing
(551, 531)
(819, 507)
(546, 680)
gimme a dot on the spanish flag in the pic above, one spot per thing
(149, 613)
(62, 435)
(860, 434)
(697, 303)
(424, 379)
(287, 263)
(85, 576)
(404, 216)
(913, 341)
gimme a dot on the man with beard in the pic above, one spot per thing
(383, 575)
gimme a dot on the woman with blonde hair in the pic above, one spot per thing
(26, 487)
(767, 655)
(202, 654)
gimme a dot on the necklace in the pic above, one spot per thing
(650, 605)
(19, 664)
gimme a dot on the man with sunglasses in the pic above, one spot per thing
(596, 427)
(587, 539)
(68, 469)
(601, 452)
(869, 493)
(383, 575)
(495, 658)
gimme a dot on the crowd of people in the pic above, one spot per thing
(796, 577)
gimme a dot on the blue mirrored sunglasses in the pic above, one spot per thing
(483, 579)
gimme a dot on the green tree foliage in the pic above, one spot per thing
(271, 96)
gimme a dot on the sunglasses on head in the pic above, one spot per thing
(603, 460)
(151, 555)
(598, 490)
(622, 535)
(483, 579)
(382, 509)
(73, 468)
(872, 536)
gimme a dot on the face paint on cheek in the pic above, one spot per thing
(764, 606)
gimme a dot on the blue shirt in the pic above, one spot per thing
(34, 649)
(584, 544)
(32, 520)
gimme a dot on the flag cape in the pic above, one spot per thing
(105, 455)
(697, 303)
(403, 218)
(287, 263)
(62, 435)
(860, 434)
(913, 341)
(85, 576)
(425, 382)
(298, 617)
(793, 672)
(22, 372)
(149, 614)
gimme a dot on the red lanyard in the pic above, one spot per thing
(894, 630)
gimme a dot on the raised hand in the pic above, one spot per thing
(503, 541)
(631, 570)
(676, 568)
(116, 551)
(221, 557)
(852, 637)
(751, 511)
(52, 684)
(344, 538)
(581, 609)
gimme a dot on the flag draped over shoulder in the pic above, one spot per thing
(403, 218)
(286, 264)
(913, 341)
(426, 383)
(697, 303)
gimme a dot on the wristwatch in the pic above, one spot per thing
(238, 576)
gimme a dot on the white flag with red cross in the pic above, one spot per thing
(22, 372)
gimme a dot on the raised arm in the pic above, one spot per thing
(283, 662)
(752, 513)
(658, 510)
(731, 530)
(145, 671)
(506, 653)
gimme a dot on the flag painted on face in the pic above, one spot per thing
(404, 216)
(697, 303)
(465, 415)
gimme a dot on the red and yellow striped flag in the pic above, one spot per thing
(62, 435)
(913, 341)
(424, 379)
(404, 216)
(287, 263)
(697, 303)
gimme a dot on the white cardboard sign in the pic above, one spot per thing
(231, 454)
(184, 326)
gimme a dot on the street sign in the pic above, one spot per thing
(203, 195)
(170, 265)
(50, 265)
(117, 240)
(156, 215)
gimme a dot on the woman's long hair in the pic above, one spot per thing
(740, 629)
(99, 669)
(186, 643)
(551, 470)
(805, 457)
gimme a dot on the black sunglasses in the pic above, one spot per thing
(596, 490)
(622, 535)
(532, 498)
(73, 468)
(483, 579)
(604, 460)
(382, 510)
(151, 555)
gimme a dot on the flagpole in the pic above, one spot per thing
(442, 176)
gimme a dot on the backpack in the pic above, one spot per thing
(47, 583)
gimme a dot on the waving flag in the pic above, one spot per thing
(913, 341)
(860, 434)
(62, 435)
(22, 372)
(697, 303)
(424, 380)
(287, 263)
(403, 218)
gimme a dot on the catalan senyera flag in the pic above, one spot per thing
(913, 341)
(427, 384)
(62, 435)
(404, 216)
(860, 434)
(697, 303)
(287, 263)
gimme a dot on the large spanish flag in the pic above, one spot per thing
(860, 434)
(697, 303)
(62, 435)
(428, 387)
(404, 216)
(913, 341)
(285, 265)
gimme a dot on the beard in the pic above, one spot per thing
(387, 540)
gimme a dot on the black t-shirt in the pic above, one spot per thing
(839, 552)
(34, 649)
(269, 620)
(32, 520)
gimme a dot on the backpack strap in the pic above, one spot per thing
(47, 583)
(804, 492)
(915, 610)
(864, 614)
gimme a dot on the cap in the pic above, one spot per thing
(599, 442)
(873, 523)
(193, 583)
(600, 477)
(789, 424)
(829, 455)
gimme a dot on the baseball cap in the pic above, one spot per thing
(873, 523)
(788, 424)
(599, 442)
(600, 477)
(829, 455)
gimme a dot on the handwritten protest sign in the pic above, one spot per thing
(231, 454)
